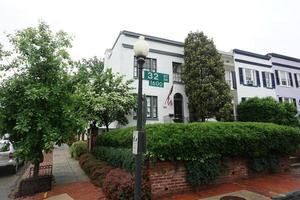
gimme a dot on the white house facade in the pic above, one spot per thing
(255, 75)
(168, 102)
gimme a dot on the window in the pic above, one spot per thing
(297, 80)
(288, 100)
(284, 78)
(268, 79)
(151, 107)
(150, 65)
(250, 77)
(177, 72)
(228, 78)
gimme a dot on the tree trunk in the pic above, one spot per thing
(107, 127)
(203, 119)
(36, 169)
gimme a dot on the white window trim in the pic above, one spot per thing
(230, 79)
(287, 77)
(253, 76)
(270, 79)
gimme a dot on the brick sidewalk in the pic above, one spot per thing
(78, 191)
(268, 186)
(69, 178)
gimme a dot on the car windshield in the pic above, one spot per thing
(4, 146)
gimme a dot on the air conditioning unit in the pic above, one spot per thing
(249, 82)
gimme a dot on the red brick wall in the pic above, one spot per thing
(169, 178)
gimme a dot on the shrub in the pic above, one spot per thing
(119, 185)
(117, 157)
(203, 170)
(225, 139)
(95, 169)
(264, 164)
(268, 110)
(77, 149)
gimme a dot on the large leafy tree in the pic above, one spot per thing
(35, 103)
(102, 96)
(203, 75)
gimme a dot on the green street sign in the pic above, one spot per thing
(156, 83)
(155, 76)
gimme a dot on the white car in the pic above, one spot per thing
(7, 157)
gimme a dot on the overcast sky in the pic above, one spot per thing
(261, 26)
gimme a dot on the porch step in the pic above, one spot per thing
(295, 165)
(293, 159)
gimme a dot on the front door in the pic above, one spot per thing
(178, 108)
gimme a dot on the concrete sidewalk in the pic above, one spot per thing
(66, 169)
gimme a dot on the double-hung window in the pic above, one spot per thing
(250, 77)
(297, 80)
(268, 79)
(177, 72)
(149, 65)
(284, 78)
(151, 106)
(228, 79)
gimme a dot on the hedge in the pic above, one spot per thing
(77, 149)
(194, 140)
(117, 157)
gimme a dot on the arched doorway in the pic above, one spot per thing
(178, 107)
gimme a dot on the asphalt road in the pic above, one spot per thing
(8, 181)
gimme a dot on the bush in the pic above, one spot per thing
(194, 140)
(95, 169)
(117, 157)
(264, 164)
(77, 149)
(119, 185)
(203, 170)
(268, 110)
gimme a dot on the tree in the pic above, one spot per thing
(203, 75)
(268, 110)
(35, 101)
(104, 96)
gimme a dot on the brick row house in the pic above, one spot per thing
(248, 75)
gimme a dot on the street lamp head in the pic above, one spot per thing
(141, 47)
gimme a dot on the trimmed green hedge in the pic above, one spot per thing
(194, 140)
(117, 157)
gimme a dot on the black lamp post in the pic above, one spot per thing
(141, 49)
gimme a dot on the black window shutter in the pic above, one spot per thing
(241, 76)
(264, 79)
(294, 101)
(257, 79)
(291, 79)
(277, 77)
(296, 80)
(273, 80)
(280, 99)
(233, 79)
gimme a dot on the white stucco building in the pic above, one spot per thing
(255, 76)
(165, 56)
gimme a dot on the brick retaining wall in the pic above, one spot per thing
(169, 178)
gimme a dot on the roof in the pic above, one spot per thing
(149, 38)
(255, 55)
(284, 57)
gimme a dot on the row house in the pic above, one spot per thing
(248, 75)
(166, 102)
